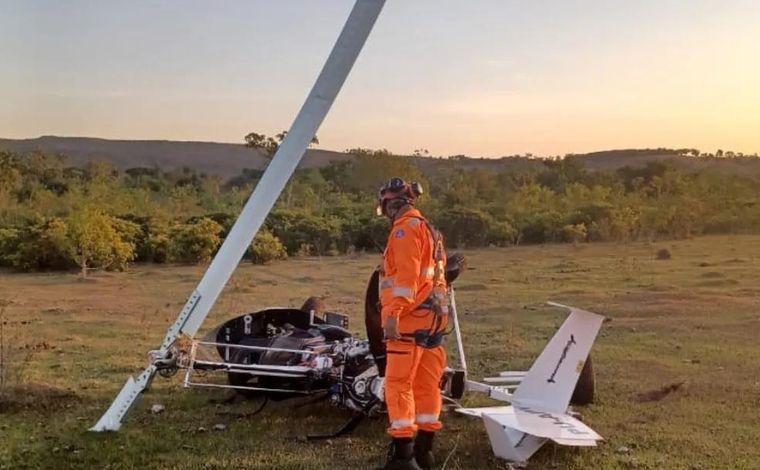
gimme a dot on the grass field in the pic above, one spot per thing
(691, 320)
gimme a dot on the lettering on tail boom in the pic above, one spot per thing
(570, 427)
(570, 342)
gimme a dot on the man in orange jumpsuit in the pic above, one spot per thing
(414, 315)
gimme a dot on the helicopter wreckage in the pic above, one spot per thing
(291, 352)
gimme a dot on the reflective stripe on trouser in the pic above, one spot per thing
(412, 387)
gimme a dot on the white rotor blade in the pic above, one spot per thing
(111, 419)
(285, 161)
(350, 42)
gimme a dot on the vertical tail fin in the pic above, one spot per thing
(550, 382)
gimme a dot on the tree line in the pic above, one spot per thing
(54, 216)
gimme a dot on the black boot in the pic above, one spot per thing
(401, 456)
(423, 449)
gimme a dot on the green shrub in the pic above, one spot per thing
(194, 242)
(574, 233)
(44, 244)
(266, 248)
(502, 233)
(540, 227)
(153, 242)
(95, 242)
(364, 232)
(297, 228)
(625, 224)
(9, 240)
(129, 231)
(158, 247)
(463, 226)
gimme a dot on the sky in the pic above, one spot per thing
(479, 77)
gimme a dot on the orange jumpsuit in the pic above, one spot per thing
(413, 373)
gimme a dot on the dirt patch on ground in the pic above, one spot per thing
(660, 393)
(663, 254)
(473, 287)
(712, 275)
(719, 283)
(36, 397)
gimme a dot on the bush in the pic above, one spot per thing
(43, 244)
(222, 218)
(158, 246)
(540, 227)
(304, 250)
(129, 231)
(574, 233)
(194, 242)
(94, 241)
(296, 228)
(157, 242)
(8, 246)
(463, 226)
(153, 242)
(266, 248)
(364, 232)
(625, 224)
(502, 233)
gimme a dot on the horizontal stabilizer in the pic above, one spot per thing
(513, 373)
(576, 442)
(561, 428)
(549, 425)
(478, 412)
(502, 380)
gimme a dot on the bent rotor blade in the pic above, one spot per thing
(285, 161)
(350, 42)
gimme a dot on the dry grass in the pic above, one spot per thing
(692, 319)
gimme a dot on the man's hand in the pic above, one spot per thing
(390, 329)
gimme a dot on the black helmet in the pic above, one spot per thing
(397, 188)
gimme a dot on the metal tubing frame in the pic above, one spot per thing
(457, 331)
(258, 389)
(294, 371)
(258, 348)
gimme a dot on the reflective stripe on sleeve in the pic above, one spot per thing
(428, 272)
(386, 283)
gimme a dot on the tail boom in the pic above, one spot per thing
(540, 402)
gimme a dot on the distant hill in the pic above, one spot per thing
(228, 160)
(636, 158)
(213, 158)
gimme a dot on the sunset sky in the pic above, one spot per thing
(478, 77)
